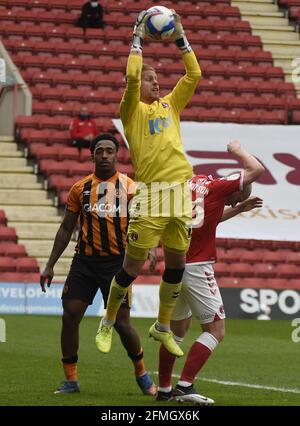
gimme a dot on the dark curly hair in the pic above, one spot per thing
(102, 137)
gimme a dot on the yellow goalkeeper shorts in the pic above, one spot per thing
(172, 227)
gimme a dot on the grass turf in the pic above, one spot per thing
(253, 352)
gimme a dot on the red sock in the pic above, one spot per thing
(70, 371)
(197, 357)
(165, 367)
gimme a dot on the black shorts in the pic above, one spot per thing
(88, 274)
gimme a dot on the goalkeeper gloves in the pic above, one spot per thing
(178, 35)
(139, 32)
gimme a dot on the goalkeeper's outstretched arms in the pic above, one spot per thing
(179, 36)
(139, 32)
(187, 85)
(131, 96)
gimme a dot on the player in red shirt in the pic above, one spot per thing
(200, 294)
(83, 129)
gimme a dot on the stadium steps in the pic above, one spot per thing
(10, 180)
(25, 197)
(61, 268)
(278, 35)
(34, 213)
(42, 248)
(35, 230)
(28, 208)
(13, 163)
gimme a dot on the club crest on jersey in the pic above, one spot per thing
(134, 236)
(118, 193)
(157, 125)
(165, 105)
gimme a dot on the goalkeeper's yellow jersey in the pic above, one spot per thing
(153, 131)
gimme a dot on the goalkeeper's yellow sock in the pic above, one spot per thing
(115, 299)
(168, 294)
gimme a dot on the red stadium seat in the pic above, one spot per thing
(27, 264)
(7, 234)
(251, 282)
(229, 282)
(241, 269)
(277, 283)
(61, 183)
(14, 250)
(123, 155)
(11, 277)
(250, 117)
(208, 114)
(61, 199)
(230, 256)
(251, 256)
(3, 220)
(288, 271)
(127, 169)
(273, 117)
(236, 242)
(264, 270)
(294, 283)
(59, 136)
(46, 122)
(44, 152)
(7, 264)
(292, 257)
(69, 153)
(275, 257)
(35, 136)
(229, 116)
(221, 269)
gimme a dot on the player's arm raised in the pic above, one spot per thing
(61, 241)
(131, 96)
(253, 169)
(186, 86)
(244, 206)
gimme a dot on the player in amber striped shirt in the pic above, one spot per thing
(101, 201)
(163, 210)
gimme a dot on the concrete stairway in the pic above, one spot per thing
(278, 35)
(29, 209)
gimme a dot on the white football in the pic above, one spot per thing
(160, 24)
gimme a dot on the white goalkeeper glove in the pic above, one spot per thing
(178, 35)
(139, 32)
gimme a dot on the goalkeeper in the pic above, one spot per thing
(162, 207)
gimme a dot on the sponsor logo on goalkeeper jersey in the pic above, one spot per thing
(157, 125)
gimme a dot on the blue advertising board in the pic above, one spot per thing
(27, 298)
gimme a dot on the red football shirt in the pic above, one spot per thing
(80, 128)
(203, 244)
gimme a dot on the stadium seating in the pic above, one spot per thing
(12, 250)
(13, 256)
(19, 277)
(65, 69)
(7, 234)
(3, 219)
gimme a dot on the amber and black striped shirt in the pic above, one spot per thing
(103, 208)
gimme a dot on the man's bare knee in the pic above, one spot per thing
(216, 328)
(174, 260)
(133, 266)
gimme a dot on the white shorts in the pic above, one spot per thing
(200, 295)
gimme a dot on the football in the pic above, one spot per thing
(160, 24)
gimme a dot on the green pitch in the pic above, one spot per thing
(254, 353)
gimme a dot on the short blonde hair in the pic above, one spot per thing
(147, 67)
